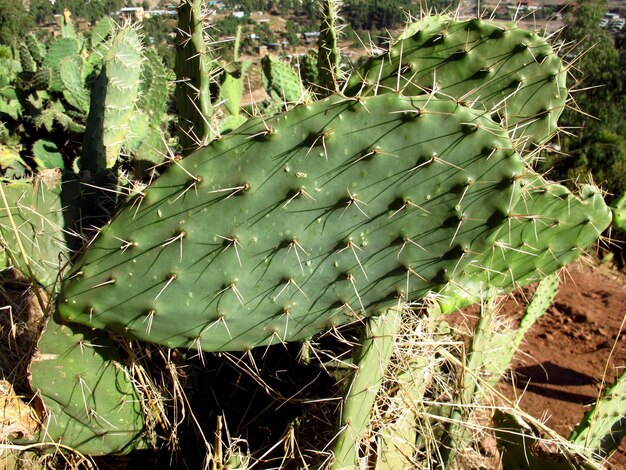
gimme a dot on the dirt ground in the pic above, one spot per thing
(566, 355)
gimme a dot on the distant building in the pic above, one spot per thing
(311, 36)
(132, 13)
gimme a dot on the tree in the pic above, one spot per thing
(599, 148)
(41, 11)
(15, 21)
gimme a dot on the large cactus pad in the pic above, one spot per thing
(289, 226)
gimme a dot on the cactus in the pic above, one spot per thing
(522, 445)
(47, 155)
(26, 59)
(231, 93)
(58, 50)
(282, 82)
(307, 231)
(67, 27)
(309, 74)
(32, 223)
(370, 361)
(328, 58)
(114, 95)
(510, 72)
(619, 213)
(101, 32)
(548, 228)
(90, 402)
(37, 50)
(194, 68)
(604, 426)
(73, 83)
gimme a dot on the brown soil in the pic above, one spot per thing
(572, 348)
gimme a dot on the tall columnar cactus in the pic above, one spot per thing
(510, 72)
(317, 217)
(328, 56)
(194, 65)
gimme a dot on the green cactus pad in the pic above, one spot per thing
(619, 213)
(294, 224)
(64, 47)
(26, 59)
(603, 427)
(548, 228)
(113, 99)
(503, 69)
(46, 155)
(232, 86)
(153, 90)
(282, 81)
(37, 49)
(91, 404)
(74, 91)
(102, 31)
(38, 220)
(308, 69)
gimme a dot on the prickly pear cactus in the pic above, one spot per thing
(32, 223)
(548, 228)
(282, 81)
(289, 226)
(510, 72)
(113, 99)
(603, 427)
(90, 402)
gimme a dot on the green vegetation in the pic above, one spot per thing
(597, 147)
(369, 200)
